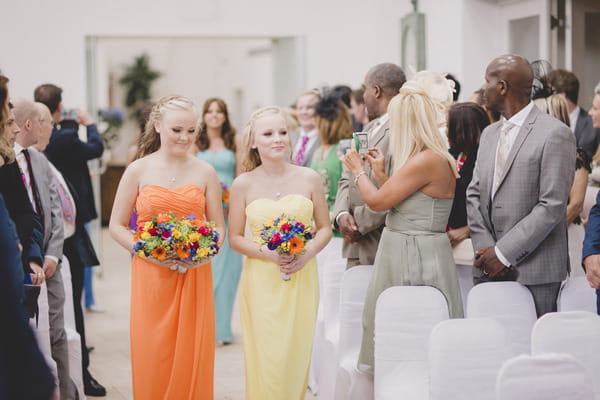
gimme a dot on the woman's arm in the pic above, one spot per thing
(577, 194)
(415, 174)
(323, 225)
(127, 192)
(214, 208)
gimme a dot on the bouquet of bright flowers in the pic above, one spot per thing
(286, 235)
(224, 194)
(167, 237)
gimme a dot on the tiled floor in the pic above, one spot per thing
(108, 332)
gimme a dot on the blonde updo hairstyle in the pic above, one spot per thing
(414, 119)
(151, 138)
(251, 157)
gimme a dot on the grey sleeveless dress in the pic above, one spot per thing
(414, 250)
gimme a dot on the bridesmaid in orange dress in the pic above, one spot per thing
(172, 311)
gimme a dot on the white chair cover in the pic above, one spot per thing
(404, 318)
(543, 377)
(576, 333)
(576, 295)
(350, 382)
(326, 366)
(509, 303)
(465, 356)
(330, 254)
(73, 338)
(576, 233)
(42, 330)
(463, 258)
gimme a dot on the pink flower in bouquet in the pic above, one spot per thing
(166, 234)
(286, 227)
(152, 231)
(204, 230)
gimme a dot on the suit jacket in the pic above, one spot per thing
(370, 223)
(29, 228)
(308, 154)
(526, 219)
(587, 136)
(591, 243)
(70, 156)
(23, 370)
(53, 218)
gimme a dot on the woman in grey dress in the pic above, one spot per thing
(414, 248)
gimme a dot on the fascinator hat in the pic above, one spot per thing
(416, 115)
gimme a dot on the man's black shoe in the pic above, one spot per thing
(91, 387)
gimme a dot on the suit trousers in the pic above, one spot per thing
(352, 262)
(58, 336)
(544, 295)
(77, 269)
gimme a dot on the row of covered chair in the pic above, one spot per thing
(500, 316)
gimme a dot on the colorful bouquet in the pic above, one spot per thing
(286, 235)
(167, 237)
(224, 194)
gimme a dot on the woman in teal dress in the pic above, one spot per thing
(333, 124)
(217, 145)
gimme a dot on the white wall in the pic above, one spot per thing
(342, 38)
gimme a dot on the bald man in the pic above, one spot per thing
(517, 199)
(44, 198)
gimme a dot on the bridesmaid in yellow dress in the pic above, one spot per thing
(172, 311)
(278, 316)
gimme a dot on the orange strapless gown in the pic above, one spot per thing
(172, 314)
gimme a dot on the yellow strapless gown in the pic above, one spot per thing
(278, 317)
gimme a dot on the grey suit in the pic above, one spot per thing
(370, 223)
(526, 219)
(53, 246)
(308, 154)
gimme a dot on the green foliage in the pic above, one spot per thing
(138, 80)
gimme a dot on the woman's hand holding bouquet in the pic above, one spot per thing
(288, 238)
(179, 244)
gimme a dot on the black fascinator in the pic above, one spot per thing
(328, 107)
(540, 88)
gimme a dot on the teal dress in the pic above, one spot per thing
(330, 170)
(227, 265)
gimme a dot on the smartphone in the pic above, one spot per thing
(361, 142)
(343, 147)
(68, 114)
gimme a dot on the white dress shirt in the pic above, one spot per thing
(312, 139)
(517, 120)
(573, 118)
(381, 121)
(25, 169)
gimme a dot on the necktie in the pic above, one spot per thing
(34, 188)
(503, 150)
(302, 150)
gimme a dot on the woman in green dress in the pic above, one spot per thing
(414, 248)
(333, 124)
